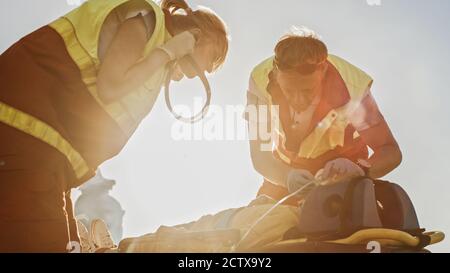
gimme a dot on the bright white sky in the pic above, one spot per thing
(403, 44)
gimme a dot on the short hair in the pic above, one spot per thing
(300, 47)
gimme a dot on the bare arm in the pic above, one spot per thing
(378, 136)
(387, 155)
(265, 164)
(263, 161)
(121, 71)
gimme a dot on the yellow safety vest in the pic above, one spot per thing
(80, 29)
(330, 132)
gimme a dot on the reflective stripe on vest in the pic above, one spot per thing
(80, 30)
(330, 132)
(44, 132)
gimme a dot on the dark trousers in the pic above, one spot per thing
(36, 212)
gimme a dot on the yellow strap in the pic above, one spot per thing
(44, 132)
(88, 69)
(283, 157)
(390, 237)
(128, 111)
(386, 237)
(260, 76)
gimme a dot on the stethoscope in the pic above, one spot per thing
(200, 73)
(200, 115)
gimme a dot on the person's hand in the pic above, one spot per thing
(340, 170)
(180, 45)
(297, 179)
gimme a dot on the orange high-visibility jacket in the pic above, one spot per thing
(330, 134)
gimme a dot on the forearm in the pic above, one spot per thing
(386, 152)
(384, 160)
(267, 165)
(259, 128)
(132, 78)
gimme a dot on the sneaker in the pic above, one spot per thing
(85, 240)
(100, 235)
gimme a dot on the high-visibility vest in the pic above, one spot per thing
(80, 29)
(329, 133)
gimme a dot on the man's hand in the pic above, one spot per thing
(340, 170)
(297, 179)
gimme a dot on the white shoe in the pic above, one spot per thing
(85, 240)
(100, 235)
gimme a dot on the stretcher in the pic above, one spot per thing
(358, 216)
(364, 241)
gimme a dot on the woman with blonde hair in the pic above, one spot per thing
(73, 93)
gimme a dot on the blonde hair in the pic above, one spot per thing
(299, 47)
(209, 23)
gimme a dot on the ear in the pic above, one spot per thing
(276, 73)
